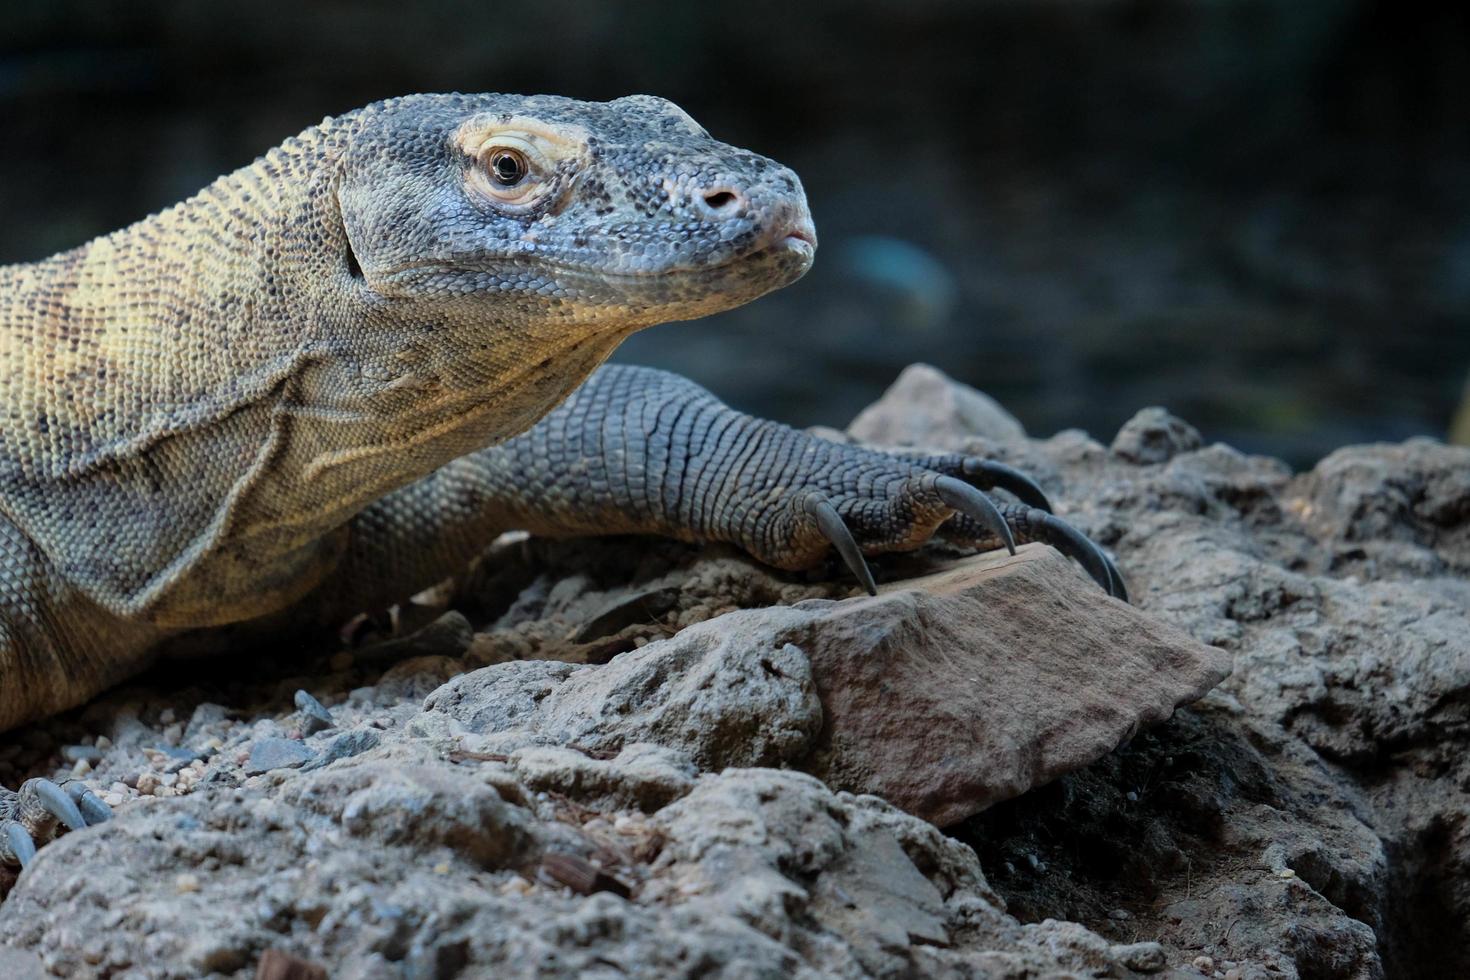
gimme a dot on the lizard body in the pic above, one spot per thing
(332, 375)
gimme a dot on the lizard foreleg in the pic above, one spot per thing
(636, 450)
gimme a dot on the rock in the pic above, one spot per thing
(415, 678)
(925, 408)
(754, 839)
(720, 704)
(1154, 436)
(314, 717)
(345, 746)
(999, 674)
(277, 753)
(1384, 511)
(81, 753)
(1143, 957)
(19, 964)
(276, 964)
(407, 859)
(419, 805)
(447, 636)
(645, 777)
(501, 697)
(776, 848)
(628, 610)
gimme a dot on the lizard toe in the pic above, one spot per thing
(55, 801)
(984, 474)
(88, 803)
(872, 503)
(35, 814)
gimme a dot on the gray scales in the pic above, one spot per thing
(328, 379)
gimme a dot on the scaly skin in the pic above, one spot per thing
(316, 386)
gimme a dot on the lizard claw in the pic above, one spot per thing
(56, 802)
(1076, 545)
(830, 523)
(974, 504)
(18, 843)
(93, 810)
(987, 473)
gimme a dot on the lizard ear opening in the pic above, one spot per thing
(354, 268)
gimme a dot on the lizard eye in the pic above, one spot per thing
(511, 170)
(508, 167)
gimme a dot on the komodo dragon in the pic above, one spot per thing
(316, 385)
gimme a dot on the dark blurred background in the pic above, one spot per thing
(1256, 213)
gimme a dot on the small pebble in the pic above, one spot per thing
(186, 883)
(103, 743)
(147, 782)
(113, 800)
(170, 757)
(1118, 915)
(81, 768)
(345, 746)
(442, 868)
(81, 753)
(1204, 964)
(314, 717)
(516, 886)
(276, 753)
(1286, 873)
(277, 964)
(1145, 957)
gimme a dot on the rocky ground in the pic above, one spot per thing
(627, 758)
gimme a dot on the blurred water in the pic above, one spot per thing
(1254, 212)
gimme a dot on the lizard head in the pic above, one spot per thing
(557, 213)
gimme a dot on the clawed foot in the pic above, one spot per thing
(35, 814)
(868, 502)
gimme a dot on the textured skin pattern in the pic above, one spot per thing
(196, 405)
(275, 399)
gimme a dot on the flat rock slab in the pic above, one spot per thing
(972, 685)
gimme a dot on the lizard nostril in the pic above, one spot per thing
(721, 201)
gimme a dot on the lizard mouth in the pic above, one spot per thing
(794, 244)
(800, 242)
